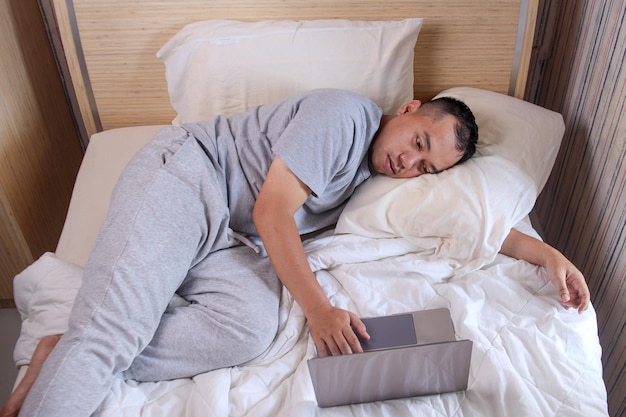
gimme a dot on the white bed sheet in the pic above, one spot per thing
(531, 357)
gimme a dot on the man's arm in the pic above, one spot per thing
(567, 279)
(280, 197)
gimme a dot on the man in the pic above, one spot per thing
(189, 199)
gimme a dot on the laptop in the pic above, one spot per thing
(407, 355)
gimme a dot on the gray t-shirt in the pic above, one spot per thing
(323, 136)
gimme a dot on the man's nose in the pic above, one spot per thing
(409, 160)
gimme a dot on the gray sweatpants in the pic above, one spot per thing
(166, 232)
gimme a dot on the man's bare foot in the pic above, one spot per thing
(15, 401)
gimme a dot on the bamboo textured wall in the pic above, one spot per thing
(39, 148)
(578, 70)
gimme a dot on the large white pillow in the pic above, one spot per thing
(468, 210)
(463, 214)
(226, 67)
(524, 133)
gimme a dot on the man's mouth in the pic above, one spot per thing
(392, 167)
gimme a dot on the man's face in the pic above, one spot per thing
(413, 143)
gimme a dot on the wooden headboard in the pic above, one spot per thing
(114, 78)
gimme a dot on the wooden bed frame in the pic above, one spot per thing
(107, 49)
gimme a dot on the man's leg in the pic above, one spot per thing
(156, 230)
(232, 318)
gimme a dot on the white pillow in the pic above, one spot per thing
(468, 209)
(527, 134)
(463, 213)
(226, 67)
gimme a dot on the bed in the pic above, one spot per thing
(400, 245)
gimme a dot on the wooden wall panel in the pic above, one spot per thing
(579, 70)
(39, 148)
(461, 43)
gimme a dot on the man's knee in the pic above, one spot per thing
(261, 338)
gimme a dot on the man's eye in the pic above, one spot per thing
(419, 144)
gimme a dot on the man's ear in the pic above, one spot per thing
(410, 107)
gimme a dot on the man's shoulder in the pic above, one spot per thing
(342, 102)
(336, 94)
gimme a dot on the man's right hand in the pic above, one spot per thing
(333, 331)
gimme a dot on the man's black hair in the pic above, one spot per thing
(466, 128)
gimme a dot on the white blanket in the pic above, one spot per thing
(531, 357)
